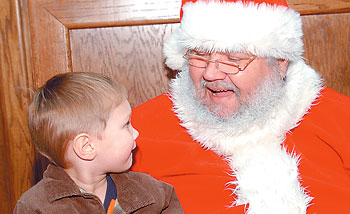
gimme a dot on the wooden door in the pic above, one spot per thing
(122, 39)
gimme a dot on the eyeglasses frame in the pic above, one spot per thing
(217, 61)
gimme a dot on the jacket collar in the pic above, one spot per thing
(131, 194)
(58, 184)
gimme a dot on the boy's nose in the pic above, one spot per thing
(135, 133)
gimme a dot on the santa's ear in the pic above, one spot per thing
(283, 66)
(84, 147)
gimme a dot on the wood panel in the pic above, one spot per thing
(50, 46)
(15, 146)
(131, 55)
(327, 48)
(102, 13)
(307, 7)
(97, 13)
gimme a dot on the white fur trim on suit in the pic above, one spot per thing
(213, 26)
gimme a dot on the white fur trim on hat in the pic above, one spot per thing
(260, 29)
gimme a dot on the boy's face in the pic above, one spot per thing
(117, 141)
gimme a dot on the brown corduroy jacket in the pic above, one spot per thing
(137, 193)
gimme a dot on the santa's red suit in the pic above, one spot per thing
(295, 160)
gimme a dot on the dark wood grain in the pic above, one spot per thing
(90, 13)
(327, 48)
(307, 7)
(50, 43)
(16, 150)
(98, 13)
(132, 55)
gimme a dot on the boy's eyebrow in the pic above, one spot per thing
(127, 116)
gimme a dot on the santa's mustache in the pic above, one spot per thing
(219, 84)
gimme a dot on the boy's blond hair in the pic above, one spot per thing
(69, 104)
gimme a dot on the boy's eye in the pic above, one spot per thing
(127, 124)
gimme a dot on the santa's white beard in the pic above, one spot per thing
(254, 109)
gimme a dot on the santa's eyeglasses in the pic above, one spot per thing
(232, 65)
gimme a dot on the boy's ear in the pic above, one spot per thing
(84, 147)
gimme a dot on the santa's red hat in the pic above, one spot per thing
(260, 27)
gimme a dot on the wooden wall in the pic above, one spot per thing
(16, 152)
(124, 40)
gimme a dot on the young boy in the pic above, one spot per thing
(81, 123)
